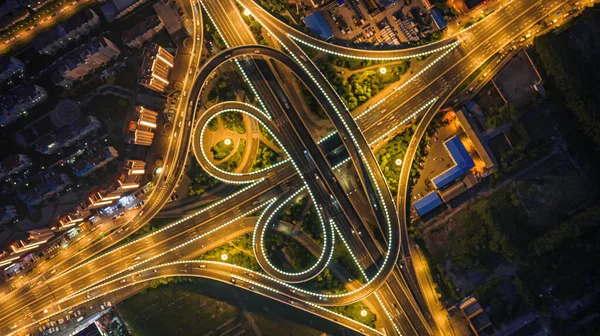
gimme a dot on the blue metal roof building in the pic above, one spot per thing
(438, 18)
(462, 163)
(317, 24)
(428, 203)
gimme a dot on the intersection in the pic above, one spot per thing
(69, 279)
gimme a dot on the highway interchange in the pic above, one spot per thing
(72, 278)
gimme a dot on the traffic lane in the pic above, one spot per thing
(225, 273)
(79, 278)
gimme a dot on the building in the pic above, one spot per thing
(142, 32)
(438, 18)
(156, 66)
(7, 214)
(11, 12)
(84, 60)
(135, 167)
(475, 140)
(478, 320)
(143, 129)
(13, 105)
(168, 16)
(93, 160)
(427, 203)
(66, 136)
(116, 9)
(10, 68)
(318, 26)
(462, 163)
(14, 164)
(43, 187)
(63, 33)
(68, 221)
(34, 4)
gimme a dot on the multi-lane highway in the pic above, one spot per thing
(429, 88)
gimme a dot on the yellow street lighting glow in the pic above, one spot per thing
(160, 79)
(145, 123)
(383, 71)
(68, 224)
(164, 60)
(130, 186)
(111, 198)
(102, 203)
(246, 12)
(398, 162)
(224, 256)
(363, 313)
(227, 142)
(136, 171)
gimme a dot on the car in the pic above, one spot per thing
(123, 281)
(202, 266)
(232, 280)
(257, 51)
(155, 271)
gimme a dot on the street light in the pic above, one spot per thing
(224, 256)
(227, 142)
(363, 313)
(246, 12)
(398, 162)
(383, 71)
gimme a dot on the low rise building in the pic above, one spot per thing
(34, 4)
(93, 160)
(116, 9)
(84, 60)
(63, 33)
(10, 68)
(44, 186)
(142, 32)
(67, 136)
(318, 26)
(156, 66)
(13, 105)
(478, 320)
(11, 12)
(14, 164)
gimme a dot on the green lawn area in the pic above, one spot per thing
(233, 162)
(233, 121)
(195, 306)
(220, 150)
(213, 124)
(174, 310)
(361, 86)
(265, 157)
(277, 326)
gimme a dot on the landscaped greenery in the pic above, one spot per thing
(201, 181)
(220, 150)
(221, 91)
(233, 121)
(233, 162)
(167, 310)
(287, 253)
(396, 149)
(359, 87)
(239, 252)
(213, 124)
(570, 58)
(353, 311)
(265, 157)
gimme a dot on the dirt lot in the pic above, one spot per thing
(516, 79)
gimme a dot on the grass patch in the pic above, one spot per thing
(221, 150)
